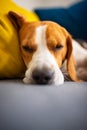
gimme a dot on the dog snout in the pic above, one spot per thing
(43, 76)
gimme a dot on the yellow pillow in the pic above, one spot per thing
(11, 63)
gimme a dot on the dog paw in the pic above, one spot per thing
(26, 81)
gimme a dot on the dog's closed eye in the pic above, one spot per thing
(58, 47)
(28, 49)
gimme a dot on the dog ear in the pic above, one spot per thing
(70, 60)
(17, 19)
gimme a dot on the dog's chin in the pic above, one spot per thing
(32, 82)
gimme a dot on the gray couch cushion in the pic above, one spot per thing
(26, 107)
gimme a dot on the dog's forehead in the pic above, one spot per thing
(32, 26)
(53, 32)
(40, 35)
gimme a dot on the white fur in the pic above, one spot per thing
(42, 57)
(79, 53)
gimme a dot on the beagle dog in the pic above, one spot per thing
(46, 48)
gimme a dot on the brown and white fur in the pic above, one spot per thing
(45, 46)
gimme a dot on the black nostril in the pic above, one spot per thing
(35, 76)
(42, 77)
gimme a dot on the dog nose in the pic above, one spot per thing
(42, 76)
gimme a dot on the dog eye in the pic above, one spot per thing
(26, 48)
(58, 47)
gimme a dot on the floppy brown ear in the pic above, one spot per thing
(70, 60)
(17, 19)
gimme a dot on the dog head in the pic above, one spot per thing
(44, 47)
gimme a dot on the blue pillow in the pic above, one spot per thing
(73, 18)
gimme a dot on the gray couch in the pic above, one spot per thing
(27, 107)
